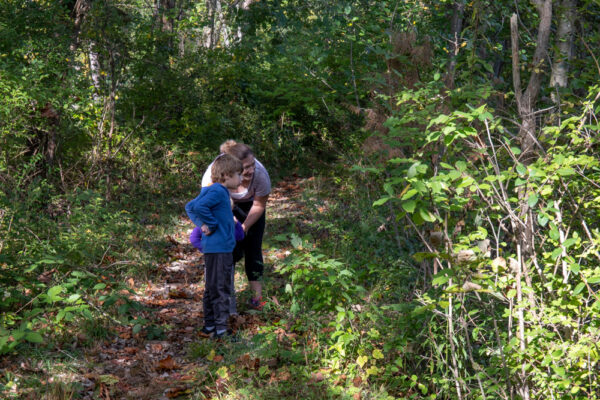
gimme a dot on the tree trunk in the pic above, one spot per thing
(95, 70)
(564, 46)
(456, 30)
(526, 104)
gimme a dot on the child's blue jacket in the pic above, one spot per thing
(213, 208)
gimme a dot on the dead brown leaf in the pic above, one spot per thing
(167, 364)
(176, 392)
(357, 381)
(221, 384)
(317, 377)
(218, 358)
(272, 363)
(46, 276)
(180, 294)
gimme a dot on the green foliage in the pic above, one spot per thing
(315, 281)
(470, 204)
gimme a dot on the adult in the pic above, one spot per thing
(250, 200)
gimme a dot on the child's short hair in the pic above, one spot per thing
(224, 167)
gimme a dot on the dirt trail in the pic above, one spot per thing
(153, 363)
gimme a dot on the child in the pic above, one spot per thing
(196, 241)
(211, 211)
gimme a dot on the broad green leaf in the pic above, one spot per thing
(578, 288)
(566, 171)
(532, 200)
(362, 360)
(409, 194)
(409, 206)
(440, 280)
(34, 337)
(426, 215)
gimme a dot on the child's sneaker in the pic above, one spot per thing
(207, 333)
(228, 334)
(256, 303)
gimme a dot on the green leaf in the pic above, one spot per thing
(556, 253)
(426, 215)
(296, 242)
(440, 280)
(362, 360)
(53, 293)
(409, 194)
(409, 206)
(566, 171)
(594, 279)
(381, 201)
(34, 337)
(412, 171)
(377, 354)
(578, 288)
(532, 200)
(461, 166)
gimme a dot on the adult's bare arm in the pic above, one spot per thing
(258, 207)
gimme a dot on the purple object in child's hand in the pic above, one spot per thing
(196, 235)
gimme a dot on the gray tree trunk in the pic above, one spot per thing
(564, 45)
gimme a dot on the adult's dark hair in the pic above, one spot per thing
(240, 151)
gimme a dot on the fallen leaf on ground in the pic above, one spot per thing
(180, 294)
(317, 377)
(357, 381)
(167, 364)
(176, 392)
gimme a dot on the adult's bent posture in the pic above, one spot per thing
(250, 199)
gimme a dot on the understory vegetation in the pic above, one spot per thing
(432, 231)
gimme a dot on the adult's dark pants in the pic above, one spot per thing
(251, 247)
(217, 289)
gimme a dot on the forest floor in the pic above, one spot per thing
(177, 362)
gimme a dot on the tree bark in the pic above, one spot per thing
(564, 46)
(526, 102)
(456, 31)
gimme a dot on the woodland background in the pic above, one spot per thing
(454, 149)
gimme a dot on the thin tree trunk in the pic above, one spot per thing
(564, 46)
(526, 102)
(456, 31)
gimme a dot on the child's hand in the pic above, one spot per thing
(205, 230)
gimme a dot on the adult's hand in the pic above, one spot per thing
(258, 207)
